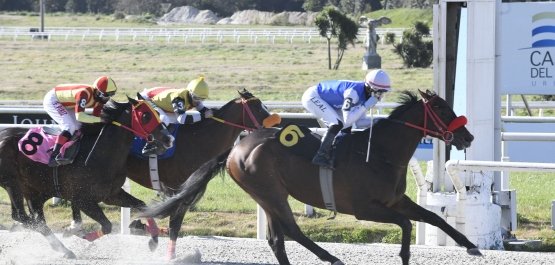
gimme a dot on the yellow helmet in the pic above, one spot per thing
(106, 85)
(198, 89)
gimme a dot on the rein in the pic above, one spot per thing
(248, 111)
(446, 132)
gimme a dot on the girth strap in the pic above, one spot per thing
(57, 185)
(326, 184)
(153, 168)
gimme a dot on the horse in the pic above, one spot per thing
(195, 144)
(96, 174)
(370, 188)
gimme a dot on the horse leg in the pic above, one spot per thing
(75, 227)
(93, 210)
(124, 199)
(380, 213)
(415, 212)
(17, 204)
(280, 222)
(176, 220)
(36, 208)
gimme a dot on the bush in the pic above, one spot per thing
(119, 15)
(413, 50)
(390, 38)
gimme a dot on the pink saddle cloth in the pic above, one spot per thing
(37, 145)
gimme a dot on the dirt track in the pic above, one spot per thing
(32, 248)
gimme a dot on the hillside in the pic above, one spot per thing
(401, 18)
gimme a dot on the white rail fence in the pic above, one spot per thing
(203, 35)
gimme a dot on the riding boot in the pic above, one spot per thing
(323, 157)
(62, 138)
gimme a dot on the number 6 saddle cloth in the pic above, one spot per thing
(300, 140)
(38, 142)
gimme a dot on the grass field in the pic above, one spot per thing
(273, 72)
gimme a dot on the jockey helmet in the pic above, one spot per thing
(106, 86)
(198, 89)
(378, 80)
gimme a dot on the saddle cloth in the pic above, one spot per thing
(38, 142)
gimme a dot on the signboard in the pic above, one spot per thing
(528, 48)
(26, 118)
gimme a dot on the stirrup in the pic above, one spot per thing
(53, 162)
(322, 161)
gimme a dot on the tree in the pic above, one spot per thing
(413, 50)
(333, 23)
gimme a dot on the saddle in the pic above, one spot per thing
(38, 142)
(300, 140)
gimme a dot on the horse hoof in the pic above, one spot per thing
(474, 252)
(338, 263)
(152, 244)
(70, 255)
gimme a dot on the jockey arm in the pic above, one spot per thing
(179, 108)
(353, 111)
(80, 114)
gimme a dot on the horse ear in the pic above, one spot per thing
(139, 96)
(132, 101)
(422, 94)
(245, 94)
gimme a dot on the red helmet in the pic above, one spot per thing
(106, 85)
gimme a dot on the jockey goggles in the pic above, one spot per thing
(196, 97)
(107, 94)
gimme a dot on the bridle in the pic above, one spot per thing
(247, 110)
(142, 130)
(444, 132)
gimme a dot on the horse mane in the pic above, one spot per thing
(407, 100)
(246, 95)
(111, 108)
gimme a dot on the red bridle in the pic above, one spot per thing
(137, 127)
(246, 109)
(445, 132)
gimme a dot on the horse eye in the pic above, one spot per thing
(147, 116)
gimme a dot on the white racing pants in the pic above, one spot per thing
(321, 109)
(64, 117)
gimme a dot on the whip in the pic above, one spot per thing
(370, 133)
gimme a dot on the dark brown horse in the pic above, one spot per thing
(374, 191)
(83, 183)
(197, 143)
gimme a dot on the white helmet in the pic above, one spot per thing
(378, 80)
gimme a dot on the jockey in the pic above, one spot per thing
(59, 101)
(171, 103)
(342, 103)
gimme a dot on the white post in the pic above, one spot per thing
(125, 212)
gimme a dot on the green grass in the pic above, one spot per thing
(404, 17)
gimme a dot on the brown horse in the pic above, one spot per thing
(374, 191)
(85, 182)
(195, 144)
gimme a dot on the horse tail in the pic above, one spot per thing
(191, 191)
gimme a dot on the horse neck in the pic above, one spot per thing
(397, 140)
(114, 143)
(211, 136)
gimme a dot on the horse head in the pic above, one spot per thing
(441, 121)
(143, 121)
(254, 113)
